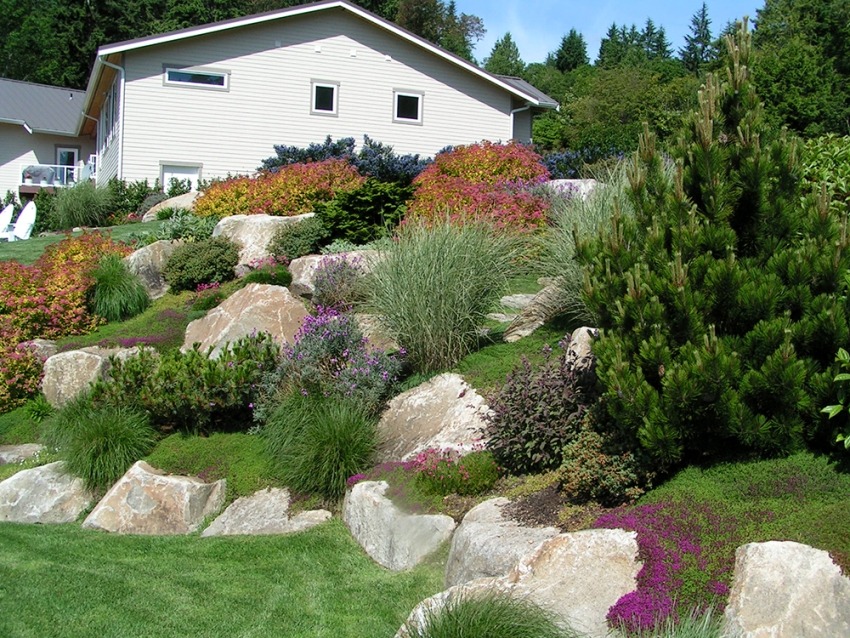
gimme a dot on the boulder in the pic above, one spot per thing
(577, 577)
(487, 544)
(782, 589)
(393, 539)
(580, 187)
(255, 308)
(265, 512)
(43, 348)
(147, 501)
(149, 262)
(376, 336)
(18, 453)
(518, 301)
(68, 373)
(44, 494)
(545, 305)
(186, 201)
(579, 353)
(303, 269)
(253, 233)
(444, 412)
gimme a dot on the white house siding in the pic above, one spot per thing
(271, 67)
(522, 125)
(18, 147)
(110, 140)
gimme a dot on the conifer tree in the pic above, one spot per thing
(504, 58)
(720, 300)
(572, 53)
(699, 48)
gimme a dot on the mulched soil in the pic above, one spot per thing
(550, 507)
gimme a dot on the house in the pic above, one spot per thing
(39, 137)
(211, 100)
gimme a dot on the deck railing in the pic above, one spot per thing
(54, 175)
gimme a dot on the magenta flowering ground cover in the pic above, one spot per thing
(688, 554)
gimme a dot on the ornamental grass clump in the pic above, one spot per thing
(434, 287)
(318, 442)
(117, 293)
(486, 616)
(81, 205)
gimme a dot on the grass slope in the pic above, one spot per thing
(63, 581)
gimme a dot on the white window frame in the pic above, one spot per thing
(420, 97)
(324, 84)
(109, 115)
(196, 70)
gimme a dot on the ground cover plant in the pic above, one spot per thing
(310, 585)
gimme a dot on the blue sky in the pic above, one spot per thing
(537, 26)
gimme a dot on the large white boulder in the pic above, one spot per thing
(264, 512)
(444, 412)
(576, 577)
(67, 374)
(253, 309)
(148, 263)
(573, 187)
(253, 233)
(18, 453)
(545, 305)
(393, 539)
(44, 494)
(303, 269)
(783, 589)
(186, 201)
(487, 543)
(147, 501)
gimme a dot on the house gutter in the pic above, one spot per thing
(120, 70)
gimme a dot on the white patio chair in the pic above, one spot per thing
(6, 218)
(23, 225)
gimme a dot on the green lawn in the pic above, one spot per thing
(63, 581)
(29, 250)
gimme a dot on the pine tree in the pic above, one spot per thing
(699, 48)
(504, 59)
(612, 48)
(572, 53)
(720, 300)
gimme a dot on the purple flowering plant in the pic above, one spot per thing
(688, 554)
(336, 283)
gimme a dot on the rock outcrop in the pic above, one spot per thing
(545, 305)
(148, 264)
(262, 513)
(255, 308)
(147, 501)
(186, 201)
(253, 233)
(444, 412)
(303, 269)
(18, 453)
(44, 494)
(68, 373)
(783, 589)
(488, 544)
(393, 539)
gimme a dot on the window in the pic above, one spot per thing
(198, 78)
(408, 107)
(324, 98)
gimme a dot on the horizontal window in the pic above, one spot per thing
(198, 78)
(408, 107)
(324, 98)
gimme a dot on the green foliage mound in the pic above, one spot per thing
(117, 293)
(297, 239)
(319, 442)
(241, 459)
(99, 444)
(201, 262)
(486, 616)
(720, 301)
(368, 213)
(436, 285)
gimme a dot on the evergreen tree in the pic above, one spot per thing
(504, 59)
(699, 48)
(572, 53)
(612, 48)
(720, 302)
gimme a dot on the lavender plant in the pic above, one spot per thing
(338, 281)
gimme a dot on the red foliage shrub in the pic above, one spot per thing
(483, 181)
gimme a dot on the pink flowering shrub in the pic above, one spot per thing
(485, 181)
(45, 300)
(295, 189)
(446, 472)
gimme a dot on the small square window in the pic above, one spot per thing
(408, 107)
(324, 98)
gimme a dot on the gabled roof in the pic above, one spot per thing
(40, 108)
(519, 88)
